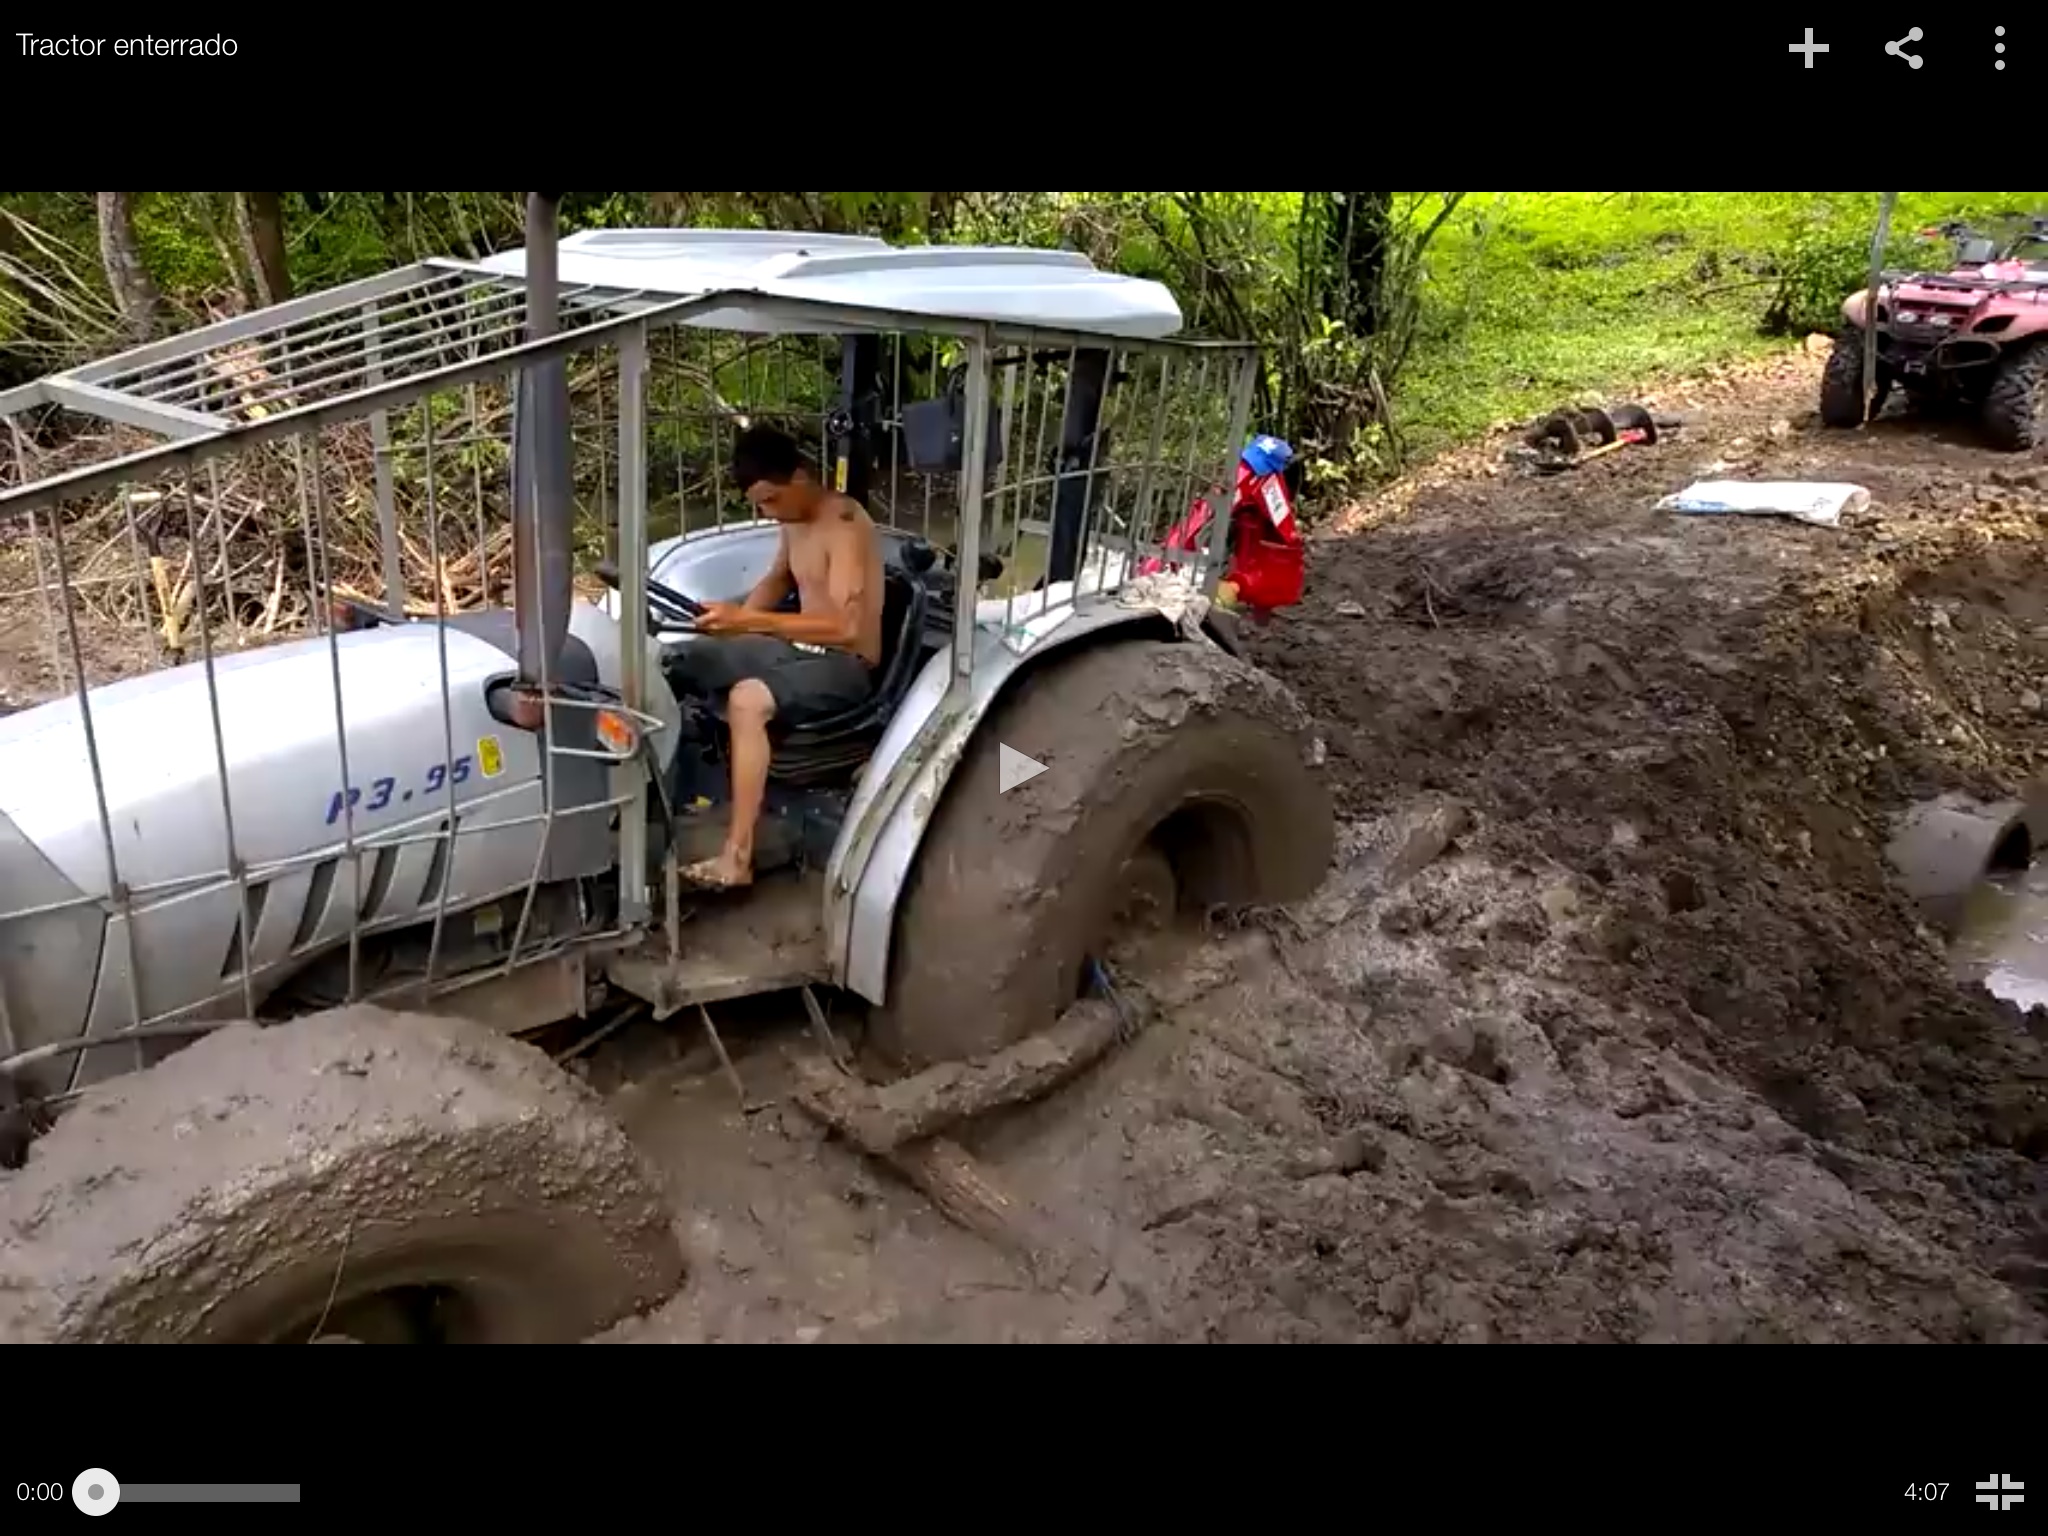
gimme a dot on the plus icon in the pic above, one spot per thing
(2000, 1492)
(1809, 48)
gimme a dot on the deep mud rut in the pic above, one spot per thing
(1608, 1025)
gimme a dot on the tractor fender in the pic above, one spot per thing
(908, 773)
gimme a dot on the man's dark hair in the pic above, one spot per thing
(766, 453)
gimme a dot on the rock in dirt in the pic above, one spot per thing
(1354, 1151)
(1430, 831)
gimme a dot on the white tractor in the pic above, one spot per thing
(273, 916)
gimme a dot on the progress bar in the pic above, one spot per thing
(96, 1491)
(209, 1493)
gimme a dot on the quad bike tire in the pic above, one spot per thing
(1150, 747)
(1841, 383)
(2015, 411)
(267, 1185)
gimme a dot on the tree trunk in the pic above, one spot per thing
(215, 210)
(135, 293)
(1357, 233)
(669, 207)
(259, 216)
(939, 209)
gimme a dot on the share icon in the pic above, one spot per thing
(1899, 48)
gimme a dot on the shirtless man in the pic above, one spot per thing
(791, 668)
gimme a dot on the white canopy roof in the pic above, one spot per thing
(1010, 285)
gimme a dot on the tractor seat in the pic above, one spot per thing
(830, 749)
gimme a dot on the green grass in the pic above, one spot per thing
(1537, 299)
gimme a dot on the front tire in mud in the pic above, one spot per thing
(335, 1176)
(2016, 405)
(1169, 746)
(1841, 383)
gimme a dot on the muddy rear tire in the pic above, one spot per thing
(270, 1185)
(2016, 405)
(1841, 383)
(1172, 745)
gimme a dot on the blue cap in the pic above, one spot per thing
(1268, 455)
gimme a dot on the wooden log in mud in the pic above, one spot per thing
(965, 1192)
(880, 1119)
(902, 1123)
(962, 1188)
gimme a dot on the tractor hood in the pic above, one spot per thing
(277, 718)
(158, 762)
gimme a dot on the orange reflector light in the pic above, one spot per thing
(617, 733)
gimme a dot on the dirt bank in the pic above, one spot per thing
(1609, 1024)
(1679, 739)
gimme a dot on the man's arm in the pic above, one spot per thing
(834, 617)
(774, 587)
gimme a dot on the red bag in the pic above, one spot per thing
(1267, 560)
(1267, 563)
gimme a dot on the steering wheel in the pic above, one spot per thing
(668, 608)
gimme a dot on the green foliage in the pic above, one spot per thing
(1827, 257)
(1495, 307)
(1821, 267)
(177, 233)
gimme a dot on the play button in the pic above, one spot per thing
(1013, 768)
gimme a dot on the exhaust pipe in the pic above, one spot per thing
(542, 501)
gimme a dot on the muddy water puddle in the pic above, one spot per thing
(2003, 939)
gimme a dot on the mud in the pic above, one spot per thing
(1610, 1024)
(35, 650)
(1683, 740)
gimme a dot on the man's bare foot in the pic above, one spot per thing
(724, 873)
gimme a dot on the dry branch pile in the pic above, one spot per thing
(259, 544)
(248, 533)
(246, 545)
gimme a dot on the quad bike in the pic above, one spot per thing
(1974, 337)
(272, 920)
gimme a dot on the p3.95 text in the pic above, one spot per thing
(383, 791)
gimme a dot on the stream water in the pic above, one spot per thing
(2003, 938)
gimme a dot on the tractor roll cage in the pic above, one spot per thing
(354, 355)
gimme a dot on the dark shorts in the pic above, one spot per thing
(808, 685)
